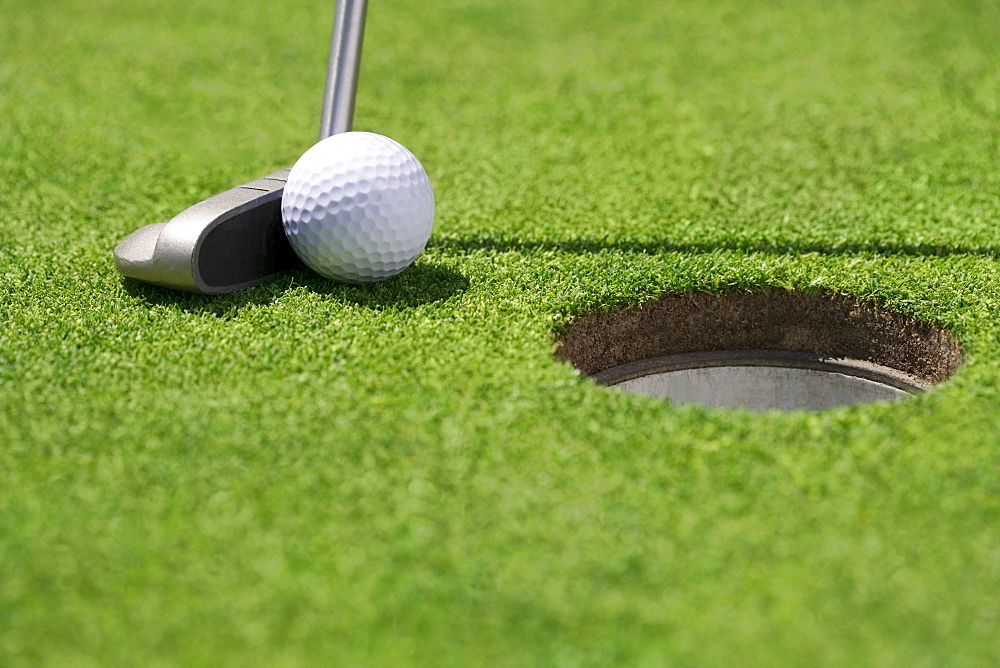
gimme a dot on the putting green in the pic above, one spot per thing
(311, 473)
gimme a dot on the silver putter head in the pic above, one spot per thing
(234, 240)
(228, 242)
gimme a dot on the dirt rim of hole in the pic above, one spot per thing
(830, 327)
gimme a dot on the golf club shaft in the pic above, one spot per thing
(342, 72)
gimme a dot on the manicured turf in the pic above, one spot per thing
(312, 473)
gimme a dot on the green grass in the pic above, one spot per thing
(310, 473)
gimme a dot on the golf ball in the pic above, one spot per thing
(358, 207)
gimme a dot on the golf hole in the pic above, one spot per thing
(772, 350)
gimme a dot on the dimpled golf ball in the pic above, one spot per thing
(358, 207)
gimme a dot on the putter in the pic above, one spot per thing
(234, 240)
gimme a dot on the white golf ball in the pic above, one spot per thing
(358, 207)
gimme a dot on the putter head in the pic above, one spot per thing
(231, 241)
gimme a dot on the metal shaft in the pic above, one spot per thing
(342, 72)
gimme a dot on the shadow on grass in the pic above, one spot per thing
(582, 245)
(428, 282)
(423, 283)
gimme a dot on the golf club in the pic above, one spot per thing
(234, 240)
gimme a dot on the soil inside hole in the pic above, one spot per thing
(827, 327)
